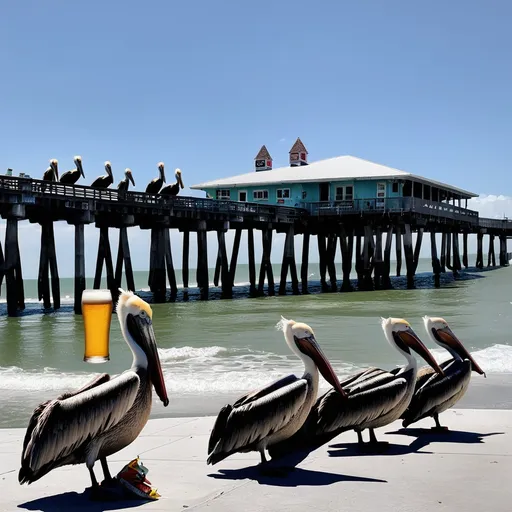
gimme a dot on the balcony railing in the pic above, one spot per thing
(495, 223)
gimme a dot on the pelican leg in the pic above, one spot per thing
(93, 478)
(373, 445)
(360, 441)
(269, 468)
(439, 428)
(106, 472)
(263, 458)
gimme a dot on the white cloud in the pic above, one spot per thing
(30, 236)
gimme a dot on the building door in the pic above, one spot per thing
(242, 196)
(381, 194)
(324, 191)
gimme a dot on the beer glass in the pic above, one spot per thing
(97, 314)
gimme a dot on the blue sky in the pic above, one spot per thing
(201, 85)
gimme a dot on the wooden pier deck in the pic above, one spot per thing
(358, 226)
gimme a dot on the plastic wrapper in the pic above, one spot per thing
(133, 479)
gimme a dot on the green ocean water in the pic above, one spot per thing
(214, 350)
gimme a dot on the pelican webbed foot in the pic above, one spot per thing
(373, 446)
(439, 429)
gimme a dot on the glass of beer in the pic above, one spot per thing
(97, 313)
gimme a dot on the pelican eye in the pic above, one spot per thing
(143, 314)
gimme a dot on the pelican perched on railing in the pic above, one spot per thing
(155, 185)
(71, 177)
(174, 188)
(275, 412)
(375, 397)
(104, 416)
(106, 180)
(52, 173)
(124, 184)
(436, 393)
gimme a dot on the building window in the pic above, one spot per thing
(345, 193)
(394, 187)
(283, 193)
(260, 195)
(223, 193)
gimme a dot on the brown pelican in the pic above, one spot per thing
(275, 412)
(375, 397)
(106, 180)
(174, 188)
(104, 416)
(155, 185)
(71, 177)
(124, 184)
(435, 393)
(52, 173)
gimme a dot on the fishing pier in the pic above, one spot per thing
(358, 228)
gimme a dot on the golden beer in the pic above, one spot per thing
(97, 313)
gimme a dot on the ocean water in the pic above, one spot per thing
(212, 351)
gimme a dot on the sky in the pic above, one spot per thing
(201, 85)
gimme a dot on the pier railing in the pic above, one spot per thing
(504, 224)
(391, 204)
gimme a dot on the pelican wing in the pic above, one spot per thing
(242, 427)
(64, 425)
(436, 389)
(367, 400)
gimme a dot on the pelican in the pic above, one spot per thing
(106, 180)
(52, 173)
(155, 185)
(173, 189)
(275, 412)
(124, 184)
(104, 416)
(71, 177)
(434, 393)
(375, 397)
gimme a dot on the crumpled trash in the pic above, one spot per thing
(133, 478)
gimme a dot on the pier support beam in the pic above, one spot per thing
(398, 246)
(233, 262)
(322, 257)
(13, 274)
(202, 261)
(443, 252)
(503, 251)
(266, 265)
(479, 251)
(80, 284)
(157, 281)
(359, 264)
(289, 263)
(252, 263)
(368, 258)
(491, 256)
(123, 257)
(409, 256)
(386, 280)
(48, 262)
(184, 263)
(304, 265)
(330, 254)
(346, 246)
(224, 265)
(456, 254)
(436, 265)
(465, 250)
(171, 275)
(377, 258)
(105, 256)
(2, 266)
(449, 264)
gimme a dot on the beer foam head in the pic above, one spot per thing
(128, 300)
(96, 296)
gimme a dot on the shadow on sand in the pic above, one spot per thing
(424, 437)
(295, 478)
(73, 501)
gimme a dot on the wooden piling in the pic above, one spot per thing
(157, 279)
(436, 265)
(465, 249)
(224, 264)
(43, 282)
(449, 262)
(491, 257)
(330, 254)
(409, 256)
(2, 266)
(54, 269)
(503, 251)
(171, 275)
(80, 283)
(13, 276)
(322, 257)
(368, 258)
(359, 264)
(479, 250)
(218, 263)
(184, 264)
(233, 262)
(288, 263)
(123, 258)
(378, 263)
(398, 246)
(386, 280)
(105, 256)
(252, 263)
(456, 253)
(202, 261)
(304, 265)
(443, 252)
(266, 265)
(346, 247)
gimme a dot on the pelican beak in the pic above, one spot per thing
(141, 330)
(410, 338)
(163, 175)
(80, 168)
(310, 347)
(55, 168)
(447, 337)
(181, 181)
(130, 177)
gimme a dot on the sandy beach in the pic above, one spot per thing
(468, 469)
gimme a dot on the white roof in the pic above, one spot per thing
(332, 169)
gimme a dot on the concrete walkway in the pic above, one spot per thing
(469, 470)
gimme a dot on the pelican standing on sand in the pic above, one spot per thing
(273, 413)
(106, 180)
(124, 184)
(375, 397)
(52, 173)
(71, 177)
(104, 416)
(174, 188)
(155, 185)
(436, 393)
